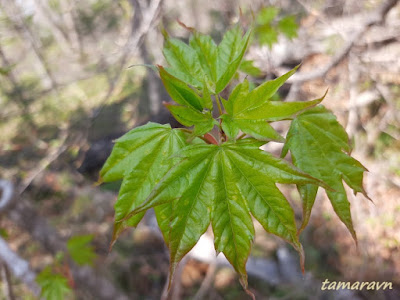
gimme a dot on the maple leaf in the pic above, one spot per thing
(141, 159)
(319, 145)
(251, 111)
(226, 184)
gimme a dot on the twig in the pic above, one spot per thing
(51, 156)
(86, 278)
(131, 46)
(7, 194)
(6, 278)
(19, 95)
(174, 293)
(378, 16)
(207, 282)
(12, 11)
(18, 266)
(354, 74)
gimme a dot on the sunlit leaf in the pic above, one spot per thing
(226, 184)
(230, 54)
(250, 111)
(184, 62)
(202, 121)
(319, 146)
(180, 92)
(207, 52)
(141, 158)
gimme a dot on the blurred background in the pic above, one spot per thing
(66, 91)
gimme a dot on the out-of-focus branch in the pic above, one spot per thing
(7, 194)
(19, 96)
(152, 81)
(25, 216)
(141, 24)
(52, 154)
(7, 284)
(175, 290)
(207, 282)
(12, 12)
(18, 267)
(56, 26)
(376, 17)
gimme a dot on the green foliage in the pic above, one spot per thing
(80, 250)
(3, 233)
(247, 66)
(200, 176)
(202, 63)
(54, 285)
(319, 146)
(268, 27)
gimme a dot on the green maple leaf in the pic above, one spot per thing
(230, 53)
(226, 184)
(267, 14)
(203, 63)
(193, 179)
(193, 109)
(267, 35)
(80, 249)
(141, 159)
(252, 111)
(53, 285)
(288, 26)
(247, 66)
(319, 146)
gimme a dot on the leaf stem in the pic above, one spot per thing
(217, 99)
(222, 135)
(186, 130)
(241, 136)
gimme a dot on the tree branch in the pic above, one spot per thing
(377, 17)
(18, 266)
(86, 278)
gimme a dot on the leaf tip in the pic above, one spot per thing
(118, 229)
(243, 282)
(99, 181)
(183, 25)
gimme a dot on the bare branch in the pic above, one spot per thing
(86, 278)
(377, 17)
(12, 11)
(6, 278)
(52, 154)
(141, 24)
(18, 266)
(7, 194)
(207, 282)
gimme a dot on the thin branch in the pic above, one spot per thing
(207, 282)
(131, 46)
(377, 17)
(18, 266)
(52, 154)
(24, 215)
(17, 91)
(13, 12)
(174, 293)
(6, 278)
(7, 194)
(241, 136)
